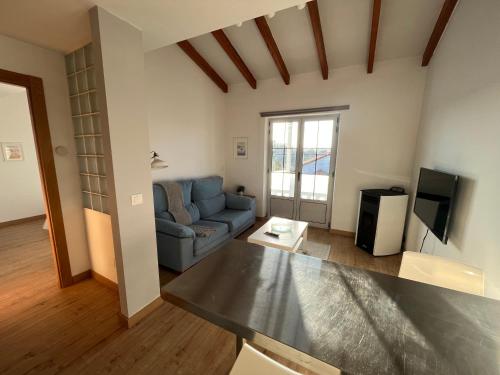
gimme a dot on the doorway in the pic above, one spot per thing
(301, 169)
(40, 127)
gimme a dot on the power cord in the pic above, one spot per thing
(423, 241)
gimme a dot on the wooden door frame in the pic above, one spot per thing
(43, 145)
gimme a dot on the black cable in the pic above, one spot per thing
(421, 247)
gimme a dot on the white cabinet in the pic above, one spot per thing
(381, 220)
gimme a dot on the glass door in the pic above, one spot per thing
(316, 170)
(283, 169)
(302, 165)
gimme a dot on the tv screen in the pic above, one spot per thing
(434, 200)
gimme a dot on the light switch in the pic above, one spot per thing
(136, 199)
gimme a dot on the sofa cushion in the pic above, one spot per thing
(186, 186)
(211, 206)
(206, 188)
(173, 229)
(159, 199)
(236, 219)
(201, 243)
(160, 196)
(165, 215)
(238, 202)
(161, 203)
(193, 211)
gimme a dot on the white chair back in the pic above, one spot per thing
(252, 362)
(441, 272)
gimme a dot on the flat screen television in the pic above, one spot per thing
(436, 193)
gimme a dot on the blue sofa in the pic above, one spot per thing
(228, 214)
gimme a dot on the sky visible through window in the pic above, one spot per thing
(316, 156)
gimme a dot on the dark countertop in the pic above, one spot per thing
(359, 321)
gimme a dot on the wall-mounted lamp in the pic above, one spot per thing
(271, 15)
(156, 162)
(301, 6)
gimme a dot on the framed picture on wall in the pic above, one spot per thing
(240, 147)
(12, 151)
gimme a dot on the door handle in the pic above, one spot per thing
(298, 175)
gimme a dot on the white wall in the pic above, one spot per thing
(101, 244)
(49, 65)
(120, 78)
(185, 116)
(20, 191)
(377, 135)
(460, 133)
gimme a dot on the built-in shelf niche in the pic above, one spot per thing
(87, 128)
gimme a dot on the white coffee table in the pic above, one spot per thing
(289, 241)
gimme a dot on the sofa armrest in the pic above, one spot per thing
(173, 229)
(239, 202)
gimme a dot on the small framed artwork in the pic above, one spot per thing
(12, 151)
(240, 147)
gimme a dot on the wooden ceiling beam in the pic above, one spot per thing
(203, 64)
(373, 35)
(265, 31)
(312, 7)
(231, 52)
(439, 27)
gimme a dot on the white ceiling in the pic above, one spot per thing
(63, 24)
(6, 89)
(57, 24)
(405, 27)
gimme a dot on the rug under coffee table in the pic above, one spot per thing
(288, 241)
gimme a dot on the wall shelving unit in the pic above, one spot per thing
(87, 128)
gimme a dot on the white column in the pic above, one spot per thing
(119, 59)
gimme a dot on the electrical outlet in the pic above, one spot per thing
(136, 199)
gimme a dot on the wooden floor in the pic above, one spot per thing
(47, 330)
(343, 251)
